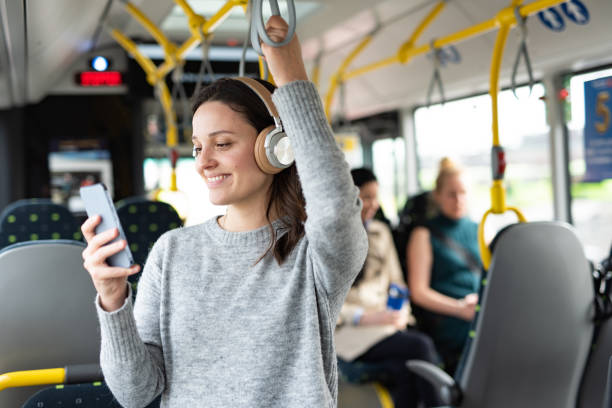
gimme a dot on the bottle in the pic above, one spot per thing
(397, 296)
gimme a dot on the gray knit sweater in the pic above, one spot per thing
(213, 328)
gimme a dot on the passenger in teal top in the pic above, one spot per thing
(443, 286)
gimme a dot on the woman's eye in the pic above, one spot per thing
(222, 145)
(196, 150)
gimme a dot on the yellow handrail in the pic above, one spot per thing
(405, 47)
(173, 56)
(194, 20)
(167, 45)
(154, 80)
(453, 38)
(131, 48)
(505, 19)
(32, 377)
(335, 79)
(384, 397)
(341, 76)
(207, 27)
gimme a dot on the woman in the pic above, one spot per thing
(240, 311)
(368, 331)
(443, 279)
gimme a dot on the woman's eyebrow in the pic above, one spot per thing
(217, 132)
(194, 138)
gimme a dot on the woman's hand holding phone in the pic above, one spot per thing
(110, 281)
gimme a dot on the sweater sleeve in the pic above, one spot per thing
(336, 236)
(131, 354)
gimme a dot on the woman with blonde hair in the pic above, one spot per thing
(444, 265)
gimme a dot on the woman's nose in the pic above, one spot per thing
(205, 158)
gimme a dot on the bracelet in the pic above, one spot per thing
(357, 316)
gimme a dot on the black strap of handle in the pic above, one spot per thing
(469, 258)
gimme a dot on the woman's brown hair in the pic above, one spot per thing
(286, 198)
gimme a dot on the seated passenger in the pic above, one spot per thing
(370, 333)
(444, 266)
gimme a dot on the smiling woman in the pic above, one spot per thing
(246, 302)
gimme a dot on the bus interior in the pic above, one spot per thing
(517, 92)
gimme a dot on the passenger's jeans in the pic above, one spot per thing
(391, 354)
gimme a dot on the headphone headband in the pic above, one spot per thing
(263, 93)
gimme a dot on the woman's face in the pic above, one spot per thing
(452, 197)
(368, 193)
(224, 143)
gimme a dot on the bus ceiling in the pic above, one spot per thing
(43, 44)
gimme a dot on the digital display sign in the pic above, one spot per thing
(95, 78)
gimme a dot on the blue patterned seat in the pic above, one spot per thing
(37, 219)
(91, 395)
(143, 222)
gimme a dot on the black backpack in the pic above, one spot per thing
(418, 209)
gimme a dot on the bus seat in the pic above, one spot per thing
(86, 395)
(143, 222)
(593, 385)
(36, 219)
(47, 313)
(608, 393)
(369, 395)
(534, 329)
(356, 387)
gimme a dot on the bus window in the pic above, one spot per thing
(461, 130)
(192, 202)
(591, 202)
(388, 157)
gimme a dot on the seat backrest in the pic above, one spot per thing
(91, 395)
(593, 385)
(36, 219)
(47, 313)
(143, 222)
(417, 210)
(534, 329)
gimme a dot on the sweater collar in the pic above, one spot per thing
(256, 236)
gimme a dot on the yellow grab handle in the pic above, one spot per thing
(383, 396)
(168, 47)
(32, 377)
(485, 253)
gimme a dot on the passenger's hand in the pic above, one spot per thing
(285, 63)
(467, 307)
(397, 318)
(110, 282)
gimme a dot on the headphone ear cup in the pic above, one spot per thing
(260, 152)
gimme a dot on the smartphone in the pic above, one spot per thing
(99, 202)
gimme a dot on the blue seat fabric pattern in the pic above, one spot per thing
(90, 395)
(37, 219)
(143, 222)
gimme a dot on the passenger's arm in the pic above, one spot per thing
(131, 354)
(353, 314)
(335, 233)
(419, 262)
(350, 314)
